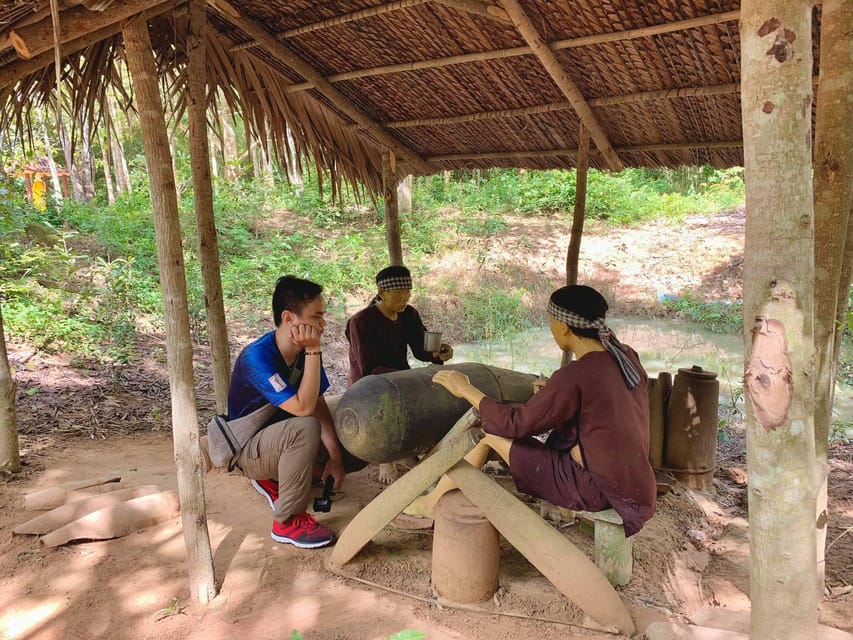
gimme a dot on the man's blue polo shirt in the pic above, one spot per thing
(261, 375)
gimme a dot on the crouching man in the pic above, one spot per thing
(299, 445)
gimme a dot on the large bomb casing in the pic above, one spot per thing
(387, 417)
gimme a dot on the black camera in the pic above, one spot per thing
(323, 503)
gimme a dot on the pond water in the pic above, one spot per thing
(663, 345)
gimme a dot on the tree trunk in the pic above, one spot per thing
(120, 169)
(108, 179)
(164, 203)
(10, 457)
(404, 194)
(87, 164)
(54, 174)
(229, 145)
(392, 218)
(203, 203)
(833, 188)
(776, 91)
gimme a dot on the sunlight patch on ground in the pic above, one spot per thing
(24, 620)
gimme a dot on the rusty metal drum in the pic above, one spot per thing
(690, 450)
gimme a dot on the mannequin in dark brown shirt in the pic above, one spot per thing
(596, 409)
(381, 334)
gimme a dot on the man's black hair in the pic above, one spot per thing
(292, 294)
(584, 301)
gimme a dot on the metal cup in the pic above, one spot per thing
(432, 341)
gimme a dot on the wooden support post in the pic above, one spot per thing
(778, 313)
(203, 203)
(10, 458)
(578, 217)
(833, 188)
(392, 217)
(164, 204)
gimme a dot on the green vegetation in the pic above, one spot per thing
(82, 278)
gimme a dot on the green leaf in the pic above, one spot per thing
(295, 635)
(32, 391)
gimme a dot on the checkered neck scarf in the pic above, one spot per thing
(393, 283)
(605, 334)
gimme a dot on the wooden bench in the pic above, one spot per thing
(613, 552)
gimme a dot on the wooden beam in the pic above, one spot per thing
(478, 8)
(287, 57)
(562, 80)
(550, 153)
(497, 54)
(11, 73)
(33, 39)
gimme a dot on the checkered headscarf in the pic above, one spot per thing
(392, 283)
(605, 334)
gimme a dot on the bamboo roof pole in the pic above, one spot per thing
(369, 12)
(497, 54)
(478, 8)
(11, 73)
(33, 39)
(549, 107)
(392, 214)
(561, 79)
(548, 153)
(164, 204)
(203, 202)
(287, 57)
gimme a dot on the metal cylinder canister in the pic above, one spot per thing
(465, 551)
(690, 451)
(382, 418)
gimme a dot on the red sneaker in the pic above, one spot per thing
(302, 531)
(268, 489)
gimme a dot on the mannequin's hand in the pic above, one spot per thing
(454, 381)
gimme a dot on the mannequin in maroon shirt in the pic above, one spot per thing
(381, 334)
(595, 410)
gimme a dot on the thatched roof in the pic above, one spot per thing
(446, 84)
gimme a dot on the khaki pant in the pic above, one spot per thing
(285, 451)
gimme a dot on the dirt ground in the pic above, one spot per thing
(80, 422)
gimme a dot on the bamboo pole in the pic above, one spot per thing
(392, 216)
(498, 54)
(567, 86)
(351, 17)
(284, 55)
(478, 8)
(549, 153)
(203, 203)
(164, 204)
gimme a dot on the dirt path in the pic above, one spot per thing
(78, 422)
